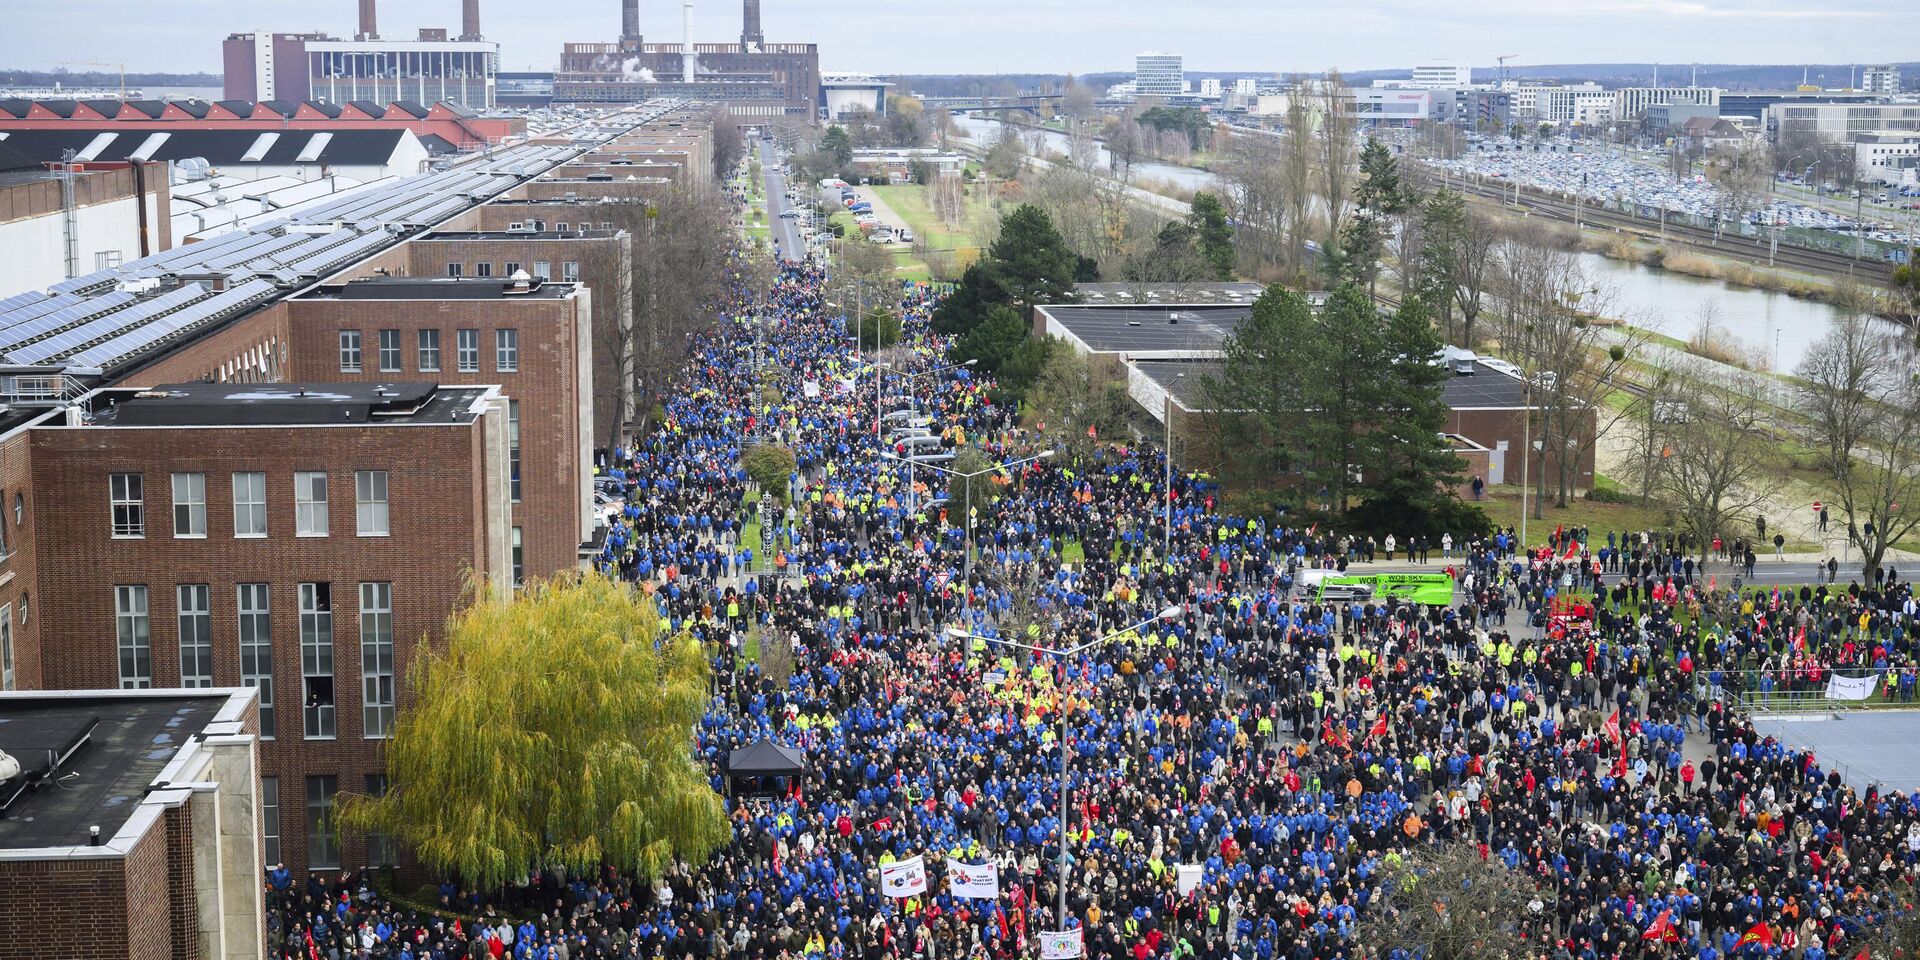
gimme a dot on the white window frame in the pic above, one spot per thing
(190, 506)
(127, 495)
(350, 353)
(466, 350)
(270, 820)
(133, 635)
(389, 350)
(195, 613)
(253, 603)
(318, 721)
(370, 505)
(249, 505)
(427, 350)
(376, 660)
(6, 646)
(506, 350)
(310, 511)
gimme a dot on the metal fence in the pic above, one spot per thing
(1770, 692)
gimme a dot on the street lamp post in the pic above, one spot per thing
(1060, 655)
(879, 392)
(966, 563)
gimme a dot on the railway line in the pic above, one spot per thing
(1755, 252)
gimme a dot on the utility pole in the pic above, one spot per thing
(69, 210)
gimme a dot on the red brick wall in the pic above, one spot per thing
(546, 384)
(251, 349)
(183, 905)
(1488, 427)
(435, 502)
(89, 909)
(18, 570)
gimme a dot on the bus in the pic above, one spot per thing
(1423, 589)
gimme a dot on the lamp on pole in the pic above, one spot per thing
(1060, 655)
(1167, 545)
(966, 563)
(879, 392)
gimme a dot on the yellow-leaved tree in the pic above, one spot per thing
(554, 729)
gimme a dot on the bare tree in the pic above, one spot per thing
(1446, 902)
(1717, 454)
(1861, 399)
(1250, 172)
(1651, 419)
(1338, 151)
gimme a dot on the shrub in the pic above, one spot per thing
(769, 465)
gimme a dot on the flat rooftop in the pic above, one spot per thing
(1484, 389)
(286, 404)
(508, 235)
(119, 743)
(1149, 329)
(1100, 294)
(437, 288)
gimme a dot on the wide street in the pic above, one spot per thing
(785, 230)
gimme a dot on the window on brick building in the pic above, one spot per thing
(310, 503)
(129, 495)
(483, 269)
(370, 502)
(467, 350)
(190, 505)
(454, 269)
(381, 850)
(323, 849)
(429, 351)
(389, 351)
(316, 660)
(349, 351)
(249, 504)
(196, 635)
(134, 636)
(519, 560)
(6, 645)
(376, 658)
(543, 270)
(563, 226)
(512, 267)
(256, 648)
(513, 450)
(506, 351)
(570, 271)
(270, 820)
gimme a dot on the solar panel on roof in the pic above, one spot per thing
(89, 281)
(134, 340)
(19, 300)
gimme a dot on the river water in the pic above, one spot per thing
(1773, 327)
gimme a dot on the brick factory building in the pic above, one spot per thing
(757, 81)
(111, 848)
(178, 431)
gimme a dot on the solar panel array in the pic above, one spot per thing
(109, 316)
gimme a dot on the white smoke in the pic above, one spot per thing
(632, 70)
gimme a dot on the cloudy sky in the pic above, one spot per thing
(1040, 36)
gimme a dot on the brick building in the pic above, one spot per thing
(113, 850)
(301, 539)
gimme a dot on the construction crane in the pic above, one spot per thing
(1503, 58)
(122, 67)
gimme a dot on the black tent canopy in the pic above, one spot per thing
(766, 759)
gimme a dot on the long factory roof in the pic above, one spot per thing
(110, 318)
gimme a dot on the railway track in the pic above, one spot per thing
(1739, 248)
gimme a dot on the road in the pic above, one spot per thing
(1796, 570)
(787, 242)
(881, 211)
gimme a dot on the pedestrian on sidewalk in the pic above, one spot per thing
(1780, 547)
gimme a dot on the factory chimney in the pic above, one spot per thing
(686, 45)
(630, 20)
(750, 36)
(368, 29)
(470, 19)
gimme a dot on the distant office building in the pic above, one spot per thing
(1671, 117)
(1892, 159)
(1210, 88)
(1440, 75)
(1883, 80)
(1391, 106)
(1158, 75)
(1631, 103)
(1554, 102)
(1246, 86)
(844, 93)
(1838, 122)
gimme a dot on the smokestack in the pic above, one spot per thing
(368, 29)
(686, 45)
(630, 20)
(470, 19)
(750, 37)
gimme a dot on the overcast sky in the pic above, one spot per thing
(1030, 36)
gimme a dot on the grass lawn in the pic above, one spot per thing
(1502, 505)
(912, 203)
(1073, 553)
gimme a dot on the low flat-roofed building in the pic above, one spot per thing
(132, 828)
(1171, 350)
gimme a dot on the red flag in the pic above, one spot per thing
(1093, 432)
(1759, 933)
(1662, 929)
(884, 823)
(1379, 728)
(1573, 548)
(1612, 726)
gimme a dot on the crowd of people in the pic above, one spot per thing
(1214, 714)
